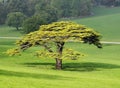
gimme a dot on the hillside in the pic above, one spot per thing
(101, 11)
(106, 21)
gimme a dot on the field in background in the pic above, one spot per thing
(106, 21)
(6, 31)
(102, 11)
(99, 68)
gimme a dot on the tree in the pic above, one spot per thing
(73, 8)
(3, 13)
(50, 12)
(57, 34)
(45, 14)
(81, 7)
(117, 2)
(17, 6)
(64, 7)
(108, 3)
(32, 24)
(15, 19)
(31, 7)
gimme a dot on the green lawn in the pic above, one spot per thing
(99, 68)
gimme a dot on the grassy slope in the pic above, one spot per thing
(98, 69)
(106, 21)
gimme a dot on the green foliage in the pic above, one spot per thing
(53, 9)
(107, 2)
(15, 19)
(81, 7)
(73, 8)
(33, 23)
(17, 6)
(67, 54)
(13, 52)
(61, 32)
(44, 14)
(46, 11)
(2, 13)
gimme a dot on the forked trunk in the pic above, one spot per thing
(59, 50)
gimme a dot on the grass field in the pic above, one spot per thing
(99, 68)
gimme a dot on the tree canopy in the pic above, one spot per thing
(57, 34)
(15, 19)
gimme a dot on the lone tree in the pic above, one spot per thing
(15, 19)
(57, 34)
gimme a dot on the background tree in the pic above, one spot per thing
(44, 14)
(3, 13)
(31, 7)
(15, 19)
(81, 7)
(33, 23)
(108, 3)
(54, 8)
(73, 8)
(55, 35)
(64, 7)
(17, 6)
(117, 2)
(49, 11)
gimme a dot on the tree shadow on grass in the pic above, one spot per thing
(32, 75)
(38, 64)
(82, 67)
(88, 66)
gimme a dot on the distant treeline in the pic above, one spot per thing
(64, 8)
(109, 3)
(47, 11)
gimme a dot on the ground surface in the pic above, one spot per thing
(99, 68)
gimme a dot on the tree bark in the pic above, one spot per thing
(58, 64)
(59, 50)
(17, 28)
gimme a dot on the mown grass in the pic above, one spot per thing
(99, 68)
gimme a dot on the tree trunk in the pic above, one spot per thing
(17, 28)
(59, 50)
(58, 64)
